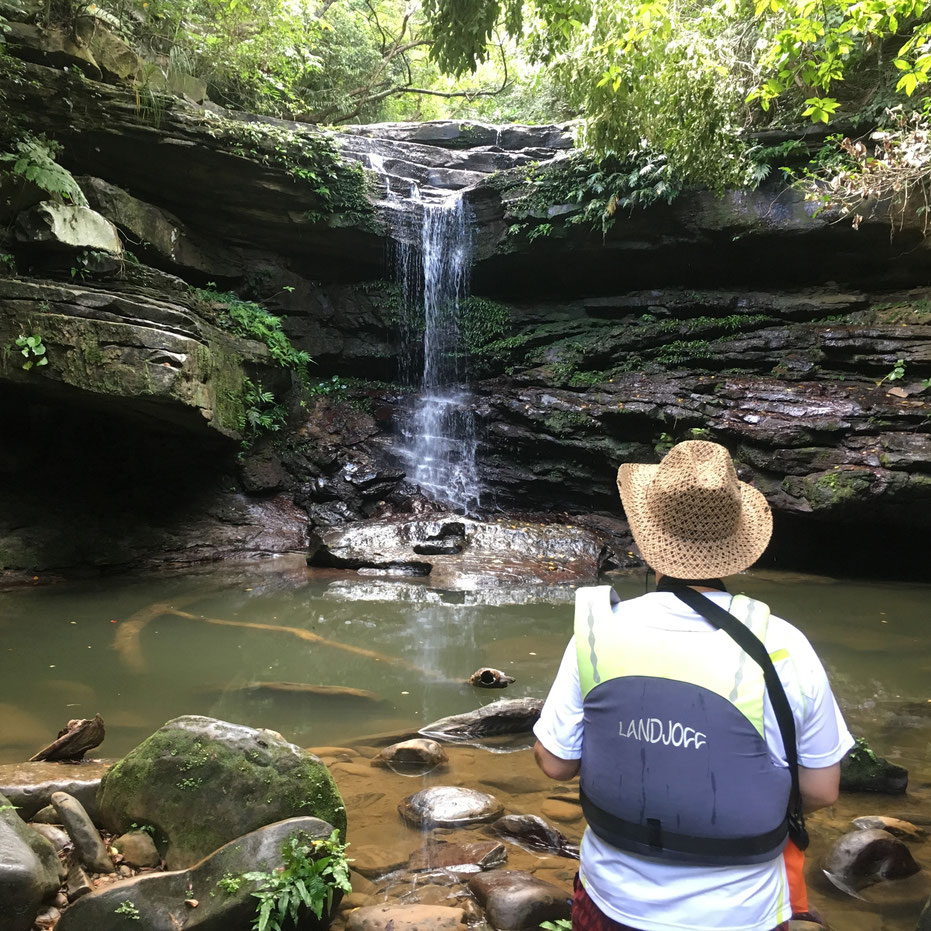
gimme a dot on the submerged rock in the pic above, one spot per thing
(406, 918)
(458, 858)
(507, 716)
(533, 832)
(201, 782)
(159, 897)
(861, 858)
(449, 806)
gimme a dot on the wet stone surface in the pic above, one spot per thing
(449, 806)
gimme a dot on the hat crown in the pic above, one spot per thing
(695, 493)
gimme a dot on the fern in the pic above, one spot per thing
(33, 158)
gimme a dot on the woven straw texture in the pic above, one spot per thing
(691, 516)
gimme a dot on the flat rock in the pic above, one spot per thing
(201, 782)
(159, 896)
(449, 806)
(406, 918)
(29, 786)
(534, 833)
(514, 899)
(559, 810)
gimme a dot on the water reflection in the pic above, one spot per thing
(388, 657)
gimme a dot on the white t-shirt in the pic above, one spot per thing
(655, 896)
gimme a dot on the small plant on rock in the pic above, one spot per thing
(128, 910)
(32, 349)
(314, 869)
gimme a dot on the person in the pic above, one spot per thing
(696, 753)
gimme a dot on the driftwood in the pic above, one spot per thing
(308, 635)
(79, 736)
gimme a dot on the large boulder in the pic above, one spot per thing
(67, 226)
(201, 782)
(222, 897)
(30, 871)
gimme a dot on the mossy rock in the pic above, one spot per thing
(863, 771)
(200, 783)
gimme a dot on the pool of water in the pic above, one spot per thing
(395, 655)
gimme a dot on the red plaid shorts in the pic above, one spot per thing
(586, 916)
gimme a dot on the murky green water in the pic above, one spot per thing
(141, 651)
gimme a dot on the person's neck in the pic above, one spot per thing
(698, 586)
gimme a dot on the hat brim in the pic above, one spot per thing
(683, 558)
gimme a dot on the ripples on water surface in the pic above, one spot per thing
(141, 651)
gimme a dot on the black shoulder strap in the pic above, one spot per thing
(753, 646)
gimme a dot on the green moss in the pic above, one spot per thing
(566, 422)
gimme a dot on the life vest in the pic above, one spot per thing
(675, 764)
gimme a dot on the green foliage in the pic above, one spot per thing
(229, 883)
(252, 321)
(561, 924)
(32, 350)
(482, 322)
(7, 263)
(897, 373)
(598, 189)
(261, 412)
(128, 910)
(33, 159)
(311, 158)
(313, 871)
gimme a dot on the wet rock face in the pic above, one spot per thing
(201, 782)
(412, 755)
(29, 786)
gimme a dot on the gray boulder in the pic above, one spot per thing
(88, 844)
(30, 871)
(224, 900)
(201, 782)
(449, 806)
(65, 226)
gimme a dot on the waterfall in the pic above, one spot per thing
(433, 257)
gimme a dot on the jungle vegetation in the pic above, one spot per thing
(689, 84)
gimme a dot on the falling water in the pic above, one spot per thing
(438, 439)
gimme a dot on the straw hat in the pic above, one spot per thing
(691, 516)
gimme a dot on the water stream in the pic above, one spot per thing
(141, 651)
(432, 237)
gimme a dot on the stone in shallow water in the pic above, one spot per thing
(862, 770)
(861, 858)
(534, 833)
(449, 806)
(406, 918)
(514, 899)
(895, 826)
(507, 716)
(419, 753)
